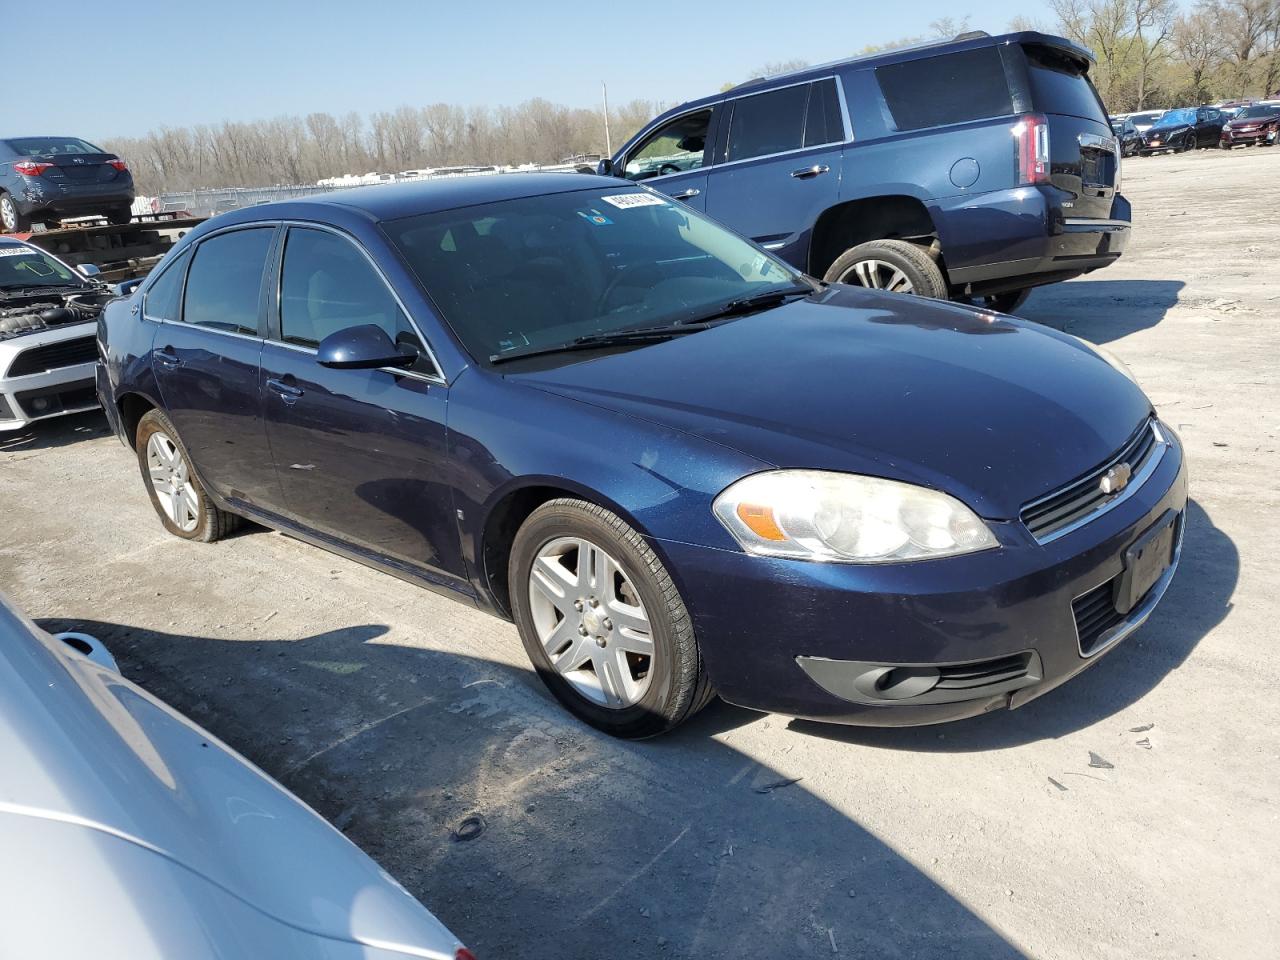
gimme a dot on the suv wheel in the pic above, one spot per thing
(1188, 143)
(181, 502)
(602, 621)
(893, 265)
(1006, 302)
(11, 218)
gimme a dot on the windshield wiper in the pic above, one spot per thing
(592, 341)
(759, 301)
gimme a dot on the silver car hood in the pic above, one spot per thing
(124, 789)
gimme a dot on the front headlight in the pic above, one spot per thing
(843, 517)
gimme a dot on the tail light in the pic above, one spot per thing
(1031, 137)
(464, 954)
(32, 168)
(119, 165)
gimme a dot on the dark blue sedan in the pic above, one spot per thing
(680, 466)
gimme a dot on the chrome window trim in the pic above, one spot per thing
(426, 344)
(197, 326)
(1135, 483)
(1139, 615)
(399, 372)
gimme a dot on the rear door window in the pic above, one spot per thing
(768, 123)
(1060, 85)
(224, 284)
(952, 88)
(823, 123)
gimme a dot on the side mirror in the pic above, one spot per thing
(605, 167)
(128, 287)
(89, 269)
(366, 347)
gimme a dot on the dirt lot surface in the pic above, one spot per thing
(397, 713)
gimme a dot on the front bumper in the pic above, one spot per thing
(1237, 139)
(791, 637)
(49, 393)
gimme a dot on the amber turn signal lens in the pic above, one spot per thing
(760, 521)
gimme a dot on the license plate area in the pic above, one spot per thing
(1145, 561)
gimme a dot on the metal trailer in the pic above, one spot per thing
(121, 252)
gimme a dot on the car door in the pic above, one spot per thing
(209, 307)
(360, 454)
(673, 157)
(778, 163)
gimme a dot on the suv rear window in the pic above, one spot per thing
(1060, 85)
(952, 88)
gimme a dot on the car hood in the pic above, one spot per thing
(83, 749)
(991, 409)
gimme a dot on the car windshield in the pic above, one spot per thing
(1170, 117)
(1257, 110)
(533, 272)
(51, 146)
(23, 266)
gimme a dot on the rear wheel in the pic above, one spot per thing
(893, 265)
(1006, 302)
(602, 621)
(120, 216)
(12, 219)
(182, 504)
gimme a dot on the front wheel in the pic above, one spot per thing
(893, 265)
(603, 623)
(183, 505)
(12, 219)
(1188, 143)
(119, 217)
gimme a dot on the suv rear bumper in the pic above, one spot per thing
(1009, 239)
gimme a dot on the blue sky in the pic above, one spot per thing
(183, 62)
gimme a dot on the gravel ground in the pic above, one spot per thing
(397, 713)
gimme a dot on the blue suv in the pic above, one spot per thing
(975, 168)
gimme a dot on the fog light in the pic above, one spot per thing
(902, 683)
(39, 404)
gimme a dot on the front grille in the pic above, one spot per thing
(1054, 514)
(54, 356)
(66, 397)
(1095, 614)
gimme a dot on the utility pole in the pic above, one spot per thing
(608, 144)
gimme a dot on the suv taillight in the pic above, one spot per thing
(1031, 139)
(32, 168)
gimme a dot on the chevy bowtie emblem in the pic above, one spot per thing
(1115, 479)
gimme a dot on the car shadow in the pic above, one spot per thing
(1102, 310)
(1198, 599)
(586, 846)
(55, 432)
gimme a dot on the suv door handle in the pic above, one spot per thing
(804, 173)
(686, 194)
(167, 358)
(286, 391)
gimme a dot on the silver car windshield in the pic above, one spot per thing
(23, 266)
(524, 273)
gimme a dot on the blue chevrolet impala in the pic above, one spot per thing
(680, 466)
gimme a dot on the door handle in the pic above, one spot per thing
(686, 194)
(286, 391)
(167, 358)
(804, 173)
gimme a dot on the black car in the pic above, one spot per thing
(1129, 135)
(1185, 128)
(46, 179)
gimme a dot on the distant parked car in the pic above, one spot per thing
(975, 168)
(48, 310)
(1186, 128)
(167, 842)
(680, 465)
(48, 179)
(1255, 125)
(1130, 137)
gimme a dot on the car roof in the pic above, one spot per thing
(966, 41)
(395, 200)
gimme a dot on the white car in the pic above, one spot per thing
(129, 833)
(48, 321)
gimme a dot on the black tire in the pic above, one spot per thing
(12, 220)
(1006, 302)
(922, 274)
(211, 522)
(1188, 143)
(678, 685)
(120, 216)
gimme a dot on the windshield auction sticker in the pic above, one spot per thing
(625, 201)
(17, 252)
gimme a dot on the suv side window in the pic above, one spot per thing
(327, 284)
(164, 297)
(767, 123)
(224, 284)
(676, 147)
(951, 88)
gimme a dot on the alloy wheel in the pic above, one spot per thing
(879, 275)
(591, 622)
(8, 214)
(171, 481)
